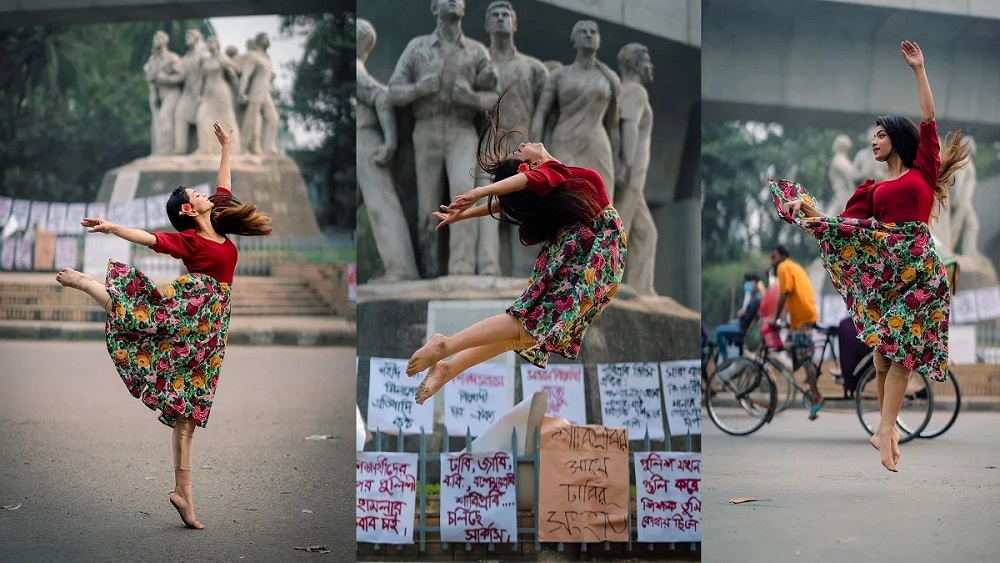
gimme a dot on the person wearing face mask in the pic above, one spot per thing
(732, 332)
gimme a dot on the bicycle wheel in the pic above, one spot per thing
(740, 397)
(784, 381)
(915, 413)
(947, 403)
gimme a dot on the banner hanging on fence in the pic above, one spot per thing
(682, 396)
(391, 403)
(476, 398)
(668, 496)
(583, 485)
(387, 497)
(563, 388)
(630, 397)
(478, 499)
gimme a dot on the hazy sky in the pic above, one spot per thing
(236, 30)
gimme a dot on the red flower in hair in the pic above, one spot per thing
(186, 207)
(523, 167)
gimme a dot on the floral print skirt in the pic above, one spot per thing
(891, 278)
(168, 347)
(574, 279)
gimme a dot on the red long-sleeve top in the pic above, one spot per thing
(200, 255)
(551, 173)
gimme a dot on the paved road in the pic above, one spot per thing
(829, 498)
(91, 466)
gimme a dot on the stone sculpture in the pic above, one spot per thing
(526, 77)
(964, 222)
(164, 78)
(841, 174)
(586, 94)
(256, 75)
(219, 81)
(186, 112)
(376, 144)
(447, 78)
(636, 70)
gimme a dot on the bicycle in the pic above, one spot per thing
(739, 387)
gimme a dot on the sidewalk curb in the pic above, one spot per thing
(347, 336)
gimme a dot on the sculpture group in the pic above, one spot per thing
(205, 84)
(587, 114)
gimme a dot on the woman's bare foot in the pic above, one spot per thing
(435, 380)
(69, 277)
(185, 507)
(427, 355)
(883, 444)
(896, 435)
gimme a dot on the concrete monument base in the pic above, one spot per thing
(273, 182)
(392, 323)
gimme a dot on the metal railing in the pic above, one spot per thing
(424, 457)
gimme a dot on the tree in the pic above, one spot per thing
(323, 101)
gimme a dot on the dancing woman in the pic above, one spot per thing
(168, 347)
(881, 257)
(575, 276)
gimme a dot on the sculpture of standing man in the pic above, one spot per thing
(255, 93)
(448, 78)
(164, 77)
(186, 113)
(376, 138)
(586, 93)
(964, 222)
(526, 75)
(841, 174)
(636, 134)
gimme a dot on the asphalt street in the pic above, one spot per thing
(824, 495)
(91, 467)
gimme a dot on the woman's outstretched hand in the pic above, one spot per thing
(447, 216)
(98, 226)
(224, 138)
(792, 207)
(912, 54)
(466, 200)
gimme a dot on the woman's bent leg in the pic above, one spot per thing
(497, 328)
(78, 280)
(886, 435)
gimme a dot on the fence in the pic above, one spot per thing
(424, 457)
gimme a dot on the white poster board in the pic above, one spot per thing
(476, 398)
(682, 396)
(386, 497)
(563, 388)
(391, 403)
(668, 496)
(963, 308)
(478, 499)
(988, 303)
(630, 397)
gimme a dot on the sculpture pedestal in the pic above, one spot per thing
(392, 323)
(273, 182)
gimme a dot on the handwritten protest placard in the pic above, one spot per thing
(391, 403)
(22, 257)
(156, 211)
(7, 252)
(57, 218)
(39, 218)
(668, 496)
(682, 396)
(387, 496)
(6, 204)
(66, 253)
(75, 213)
(630, 397)
(583, 483)
(476, 398)
(478, 499)
(563, 388)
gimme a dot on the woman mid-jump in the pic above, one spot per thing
(575, 276)
(168, 346)
(881, 257)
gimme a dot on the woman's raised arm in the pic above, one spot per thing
(915, 58)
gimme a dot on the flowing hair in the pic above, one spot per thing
(229, 216)
(905, 138)
(538, 218)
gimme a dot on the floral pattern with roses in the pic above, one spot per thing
(168, 347)
(574, 279)
(891, 278)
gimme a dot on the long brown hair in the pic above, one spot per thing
(905, 138)
(229, 216)
(538, 218)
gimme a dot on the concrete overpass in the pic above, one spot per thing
(18, 13)
(837, 62)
